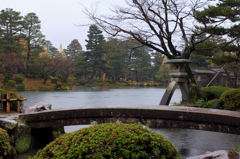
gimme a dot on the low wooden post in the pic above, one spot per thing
(18, 108)
(8, 102)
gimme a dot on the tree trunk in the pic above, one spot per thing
(136, 76)
(189, 78)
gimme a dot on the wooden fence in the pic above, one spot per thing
(6, 102)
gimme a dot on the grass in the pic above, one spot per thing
(31, 84)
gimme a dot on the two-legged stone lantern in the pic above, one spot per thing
(177, 78)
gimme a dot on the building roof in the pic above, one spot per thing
(204, 71)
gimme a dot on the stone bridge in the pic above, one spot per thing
(154, 116)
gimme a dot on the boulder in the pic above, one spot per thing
(8, 124)
(38, 107)
(220, 154)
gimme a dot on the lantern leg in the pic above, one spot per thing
(166, 98)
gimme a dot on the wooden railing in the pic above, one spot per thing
(6, 102)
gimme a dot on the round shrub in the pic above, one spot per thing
(110, 81)
(213, 92)
(21, 87)
(11, 83)
(4, 142)
(23, 144)
(54, 80)
(110, 140)
(230, 99)
(82, 81)
(19, 79)
(141, 84)
(77, 84)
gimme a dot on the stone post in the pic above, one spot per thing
(177, 78)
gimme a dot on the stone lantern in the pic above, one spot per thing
(177, 78)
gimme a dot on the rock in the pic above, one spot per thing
(220, 154)
(38, 107)
(8, 124)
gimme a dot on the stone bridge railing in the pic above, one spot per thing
(154, 116)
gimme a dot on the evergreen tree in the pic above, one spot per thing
(94, 54)
(73, 50)
(224, 12)
(11, 24)
(114, 59)
(34, 37)
(50, 48)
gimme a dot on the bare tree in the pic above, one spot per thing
(158, 24)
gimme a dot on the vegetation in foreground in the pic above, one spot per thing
(217, 97)
(110, 140)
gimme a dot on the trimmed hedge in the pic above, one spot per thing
(230, 99)
(213, 92)
(110, 140)
(21, 87)
(19, 79)
(82, 81)
(54, 80)
(11, 83)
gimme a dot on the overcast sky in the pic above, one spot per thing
(60, 17)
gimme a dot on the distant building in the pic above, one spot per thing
(203, 76)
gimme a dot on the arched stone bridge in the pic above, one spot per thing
(154, 116)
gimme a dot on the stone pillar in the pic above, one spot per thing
(177, 78)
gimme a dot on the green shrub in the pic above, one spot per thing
(8, 76)
(105, 80)
(19, 79)
(77, 84)
(82, 81)
(141, 84)
(54, 80)
(160, 84)
(110, 140)
(58, 86)
(21, 87)
(4, 142)
(201, 103)
(110, 81)
(23, 143)
(11, 83)
(213, 92)
(124, 81)
(13, 95)
(230, 99)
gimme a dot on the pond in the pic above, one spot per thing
(188, 142)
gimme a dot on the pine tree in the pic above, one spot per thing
(74, 49)
(224, 12)
(33, 35)
(95, 51)
(11, 24)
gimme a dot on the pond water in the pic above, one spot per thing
(188, 142)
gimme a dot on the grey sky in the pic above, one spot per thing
(60, 17)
